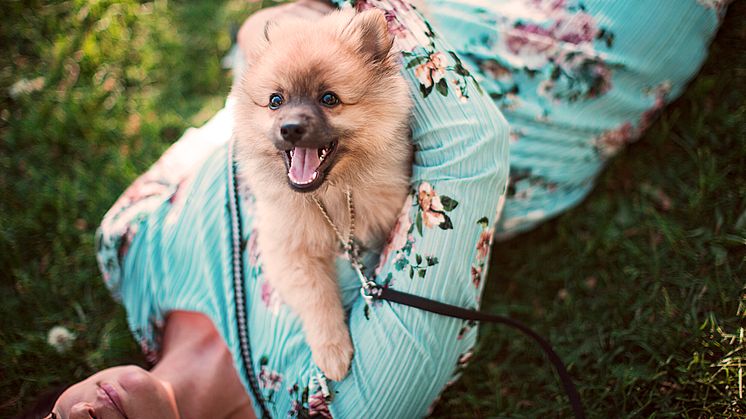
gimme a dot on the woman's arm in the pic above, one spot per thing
(195, 378)
(198, 366)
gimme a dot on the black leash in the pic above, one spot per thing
(377, 292)
(238, 284)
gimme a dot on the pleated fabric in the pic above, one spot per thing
(166, 245)
(576, 81)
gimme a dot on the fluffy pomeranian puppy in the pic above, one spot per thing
(322, 108)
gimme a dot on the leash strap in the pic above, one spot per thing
(377, 292)
(238, 283)
(372, 291)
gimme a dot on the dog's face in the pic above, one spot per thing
(322, 101)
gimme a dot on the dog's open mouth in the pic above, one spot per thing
(307, 167)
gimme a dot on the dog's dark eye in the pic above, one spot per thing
(275, 101)
(329, 99)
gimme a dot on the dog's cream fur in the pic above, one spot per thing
(349, 54)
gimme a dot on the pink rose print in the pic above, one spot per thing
(431, 212)
(318, 405)
(555, 40)
(593, 77)
(151, 354)
(401, 5)
(396, 5)
(270, 298)
(178, 199)
(483, 250)
(253, 248)
(144, 187)
(495, 70)
(718, 6)
(468, 325)
(149, 339)
(127, 237)
(548, 5)
(484, 243)
(459, 88)
(576, 29)
(432, 209)
(661, 96)
(269, 380)
(476, 275)
(395, 12)
(610, 142)
(396, 28)
(464, 359)
(295, 409)
(432, 70)
(399, 236)
(529, 45)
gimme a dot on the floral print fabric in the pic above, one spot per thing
(557, 69)
(577, 80)
(431, 251)
(171, 250)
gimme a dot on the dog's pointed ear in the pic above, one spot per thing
(254, 40)
(268, 27)
(370, 31)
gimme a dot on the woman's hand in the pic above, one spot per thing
(253, 28)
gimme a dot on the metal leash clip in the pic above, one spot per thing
(368, 289)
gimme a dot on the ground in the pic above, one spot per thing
(638, 288)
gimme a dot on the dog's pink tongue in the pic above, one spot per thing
(304, 163)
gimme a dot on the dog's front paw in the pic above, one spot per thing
(334, 356)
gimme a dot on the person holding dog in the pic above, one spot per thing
(575, 89)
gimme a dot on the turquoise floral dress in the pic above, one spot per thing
(576, 80)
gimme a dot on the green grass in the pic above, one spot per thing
(638, 288)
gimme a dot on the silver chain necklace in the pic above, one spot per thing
(348, 244)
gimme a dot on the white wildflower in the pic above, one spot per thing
(26, 86)
(60, 338)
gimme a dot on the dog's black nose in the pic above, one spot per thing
(292, 131)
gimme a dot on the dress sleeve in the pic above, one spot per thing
(154, 199)
(404, 357)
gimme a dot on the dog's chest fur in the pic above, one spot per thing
(375, 208)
